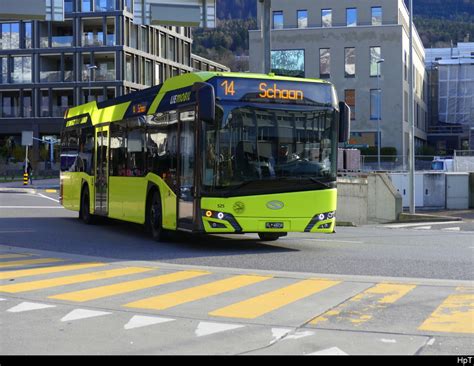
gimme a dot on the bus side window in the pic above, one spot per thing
(118, 151)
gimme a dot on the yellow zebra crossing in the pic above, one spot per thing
(454, 313)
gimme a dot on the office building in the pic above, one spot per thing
(344, 42)
(97, 53)
(451, 104)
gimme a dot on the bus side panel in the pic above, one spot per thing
(117, 192)
(72, 190)
(168, 201)
(127, 198)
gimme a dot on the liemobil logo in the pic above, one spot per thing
(238, 207)
(275, 205)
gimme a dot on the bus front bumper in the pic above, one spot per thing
(220, 222)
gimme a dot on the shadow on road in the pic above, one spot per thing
(124, 241)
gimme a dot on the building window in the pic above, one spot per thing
(375, 55)
(375, 104)
(86, 5)
(10, 36)
(28, 37)
(326, 17)
(302, 16)
(104, 5)
(10, 104)
(377, 15)
(325, 62)
(349, 62)
(128, 6)
(351, 17)
(21, 70)
(349, 98)
(288, 63)
(4, 70)
(277, 20)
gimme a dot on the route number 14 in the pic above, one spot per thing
(229, 87)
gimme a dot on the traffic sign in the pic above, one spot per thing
(26, 138)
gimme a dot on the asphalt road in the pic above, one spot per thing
(367, 290)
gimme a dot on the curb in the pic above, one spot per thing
(408, 218)
(345, 224)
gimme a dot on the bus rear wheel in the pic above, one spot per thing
(155, 217)
(269, 236)
(85, 210)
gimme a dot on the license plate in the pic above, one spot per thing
(274, 225)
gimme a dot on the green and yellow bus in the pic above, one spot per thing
(209, 153)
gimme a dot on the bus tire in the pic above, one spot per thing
(269, 236)
(155, 216)
(85, 210)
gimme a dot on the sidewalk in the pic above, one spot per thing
(440, 215)
(37, 184)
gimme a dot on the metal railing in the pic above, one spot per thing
(394, 163)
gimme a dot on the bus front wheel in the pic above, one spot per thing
(155, 217)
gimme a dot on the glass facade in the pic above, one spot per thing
(288, 63)
(93, 55)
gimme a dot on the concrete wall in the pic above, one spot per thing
(385, 203)
(368, 200)
(352, 200)
(464, 164)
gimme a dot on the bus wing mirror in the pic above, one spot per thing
(344, 122)
(206, 102)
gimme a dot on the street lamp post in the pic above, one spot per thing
(266, 34)
(90, 68)
(411, 118)
(379, 114)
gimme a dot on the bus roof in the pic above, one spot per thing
(148, 100)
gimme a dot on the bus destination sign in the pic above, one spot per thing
(268, 91)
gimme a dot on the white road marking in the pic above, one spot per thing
(29, 306)
(388, 340)
(49, 198)
(279, 333)
(208, 328)
(431, 341)
(299, 335)
(451, 229)
(422, 228)
(79, 314)
(333, 351)
(139, 321)
(402, 226)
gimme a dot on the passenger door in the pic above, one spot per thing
(102, 171)
(187, 199)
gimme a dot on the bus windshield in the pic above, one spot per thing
(262, 148)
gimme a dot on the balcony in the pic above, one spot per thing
(57, 41)
(92, 39)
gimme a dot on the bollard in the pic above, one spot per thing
(25, 179)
